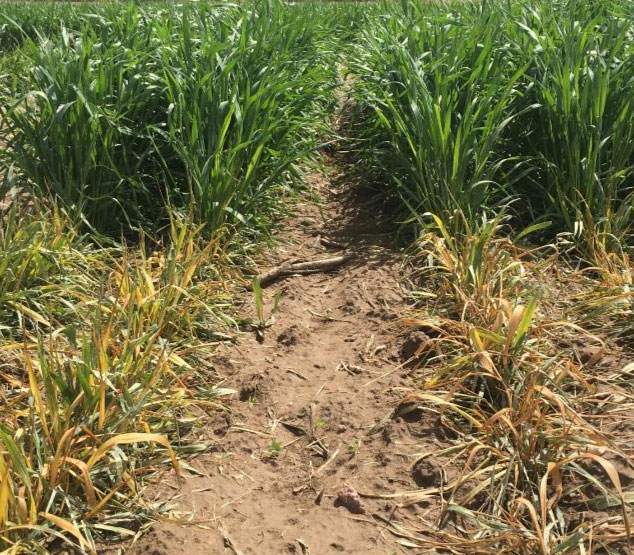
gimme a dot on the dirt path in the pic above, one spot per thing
(297, 434)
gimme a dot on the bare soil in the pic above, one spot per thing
(297, 469)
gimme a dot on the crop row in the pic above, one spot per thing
(525, 105)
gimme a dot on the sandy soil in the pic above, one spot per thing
(299, 467)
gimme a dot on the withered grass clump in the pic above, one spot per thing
(537, 472)
(103, 363)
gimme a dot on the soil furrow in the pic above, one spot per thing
(295, 446)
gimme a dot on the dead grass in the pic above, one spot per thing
(514, 376)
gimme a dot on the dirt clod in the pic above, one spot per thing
(252, 388)
(290, 336)
(350, 499)
(414, 345)
(427, 473)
